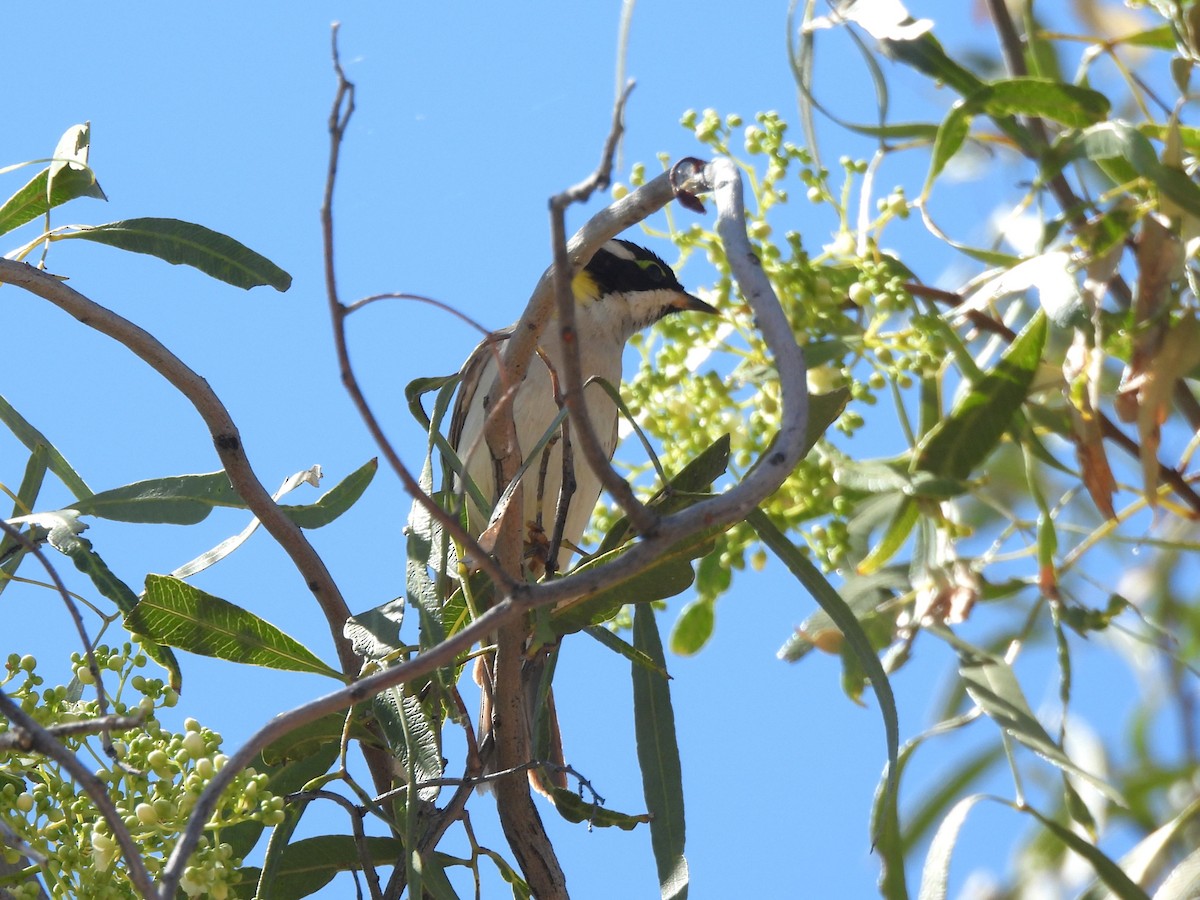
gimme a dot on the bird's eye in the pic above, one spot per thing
(654, 272)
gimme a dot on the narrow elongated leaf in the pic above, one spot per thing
(335, 501)
(1142, 861)
(72, 178)
(1110, 873)
(697, 476)
(658, 757)
(613, 642)
(308, 865)
(992, 684)
(829, 600)
(964, 439)
(670, 574)
(185, 243)
(32, 438)
(175, 500)
(174, 612)
(574, 808)
(893, 537)
(1124, 145)
(936, 874)
(1070, 104)
(11, 551)
(86, 560)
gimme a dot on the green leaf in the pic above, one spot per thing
(184, 243)
(307, 742)
(963, 440)
(412, 735)
(86, 560)
(1070, 104)
(936, 874)
(1110, 873)
(841, 614)
(624, 648)
(32, 438)
(694, 626)
(175, 500)
(658, 757)
(574, 808)
(1132, 152)
(308, 865)
(175, 613)
(670, 574)
(992, 684)
(893, 537)
(335, 501)
(697, 476)
(375, 633)
(1150, 853)
(12, 551)
(72, 178)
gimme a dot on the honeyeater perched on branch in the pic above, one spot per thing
(623, 289)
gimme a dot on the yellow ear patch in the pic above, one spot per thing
(584, 287)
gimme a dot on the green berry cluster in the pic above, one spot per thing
(154, 788)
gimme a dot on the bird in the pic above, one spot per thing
(623, 289)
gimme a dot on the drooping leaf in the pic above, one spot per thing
(308, 865)
(965, 438)
(11, 550)
(670, 574)
(1110, 873)
(992, 684)
(1125, 153)
(1141, 863)
(936, 874)
(614, 642)
(185, 243)
(841, 614)
(86, 560)
(658, 758)
(175, 613)
(1070, 104)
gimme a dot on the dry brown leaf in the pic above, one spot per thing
(1081, 370)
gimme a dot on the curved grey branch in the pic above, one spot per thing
(225, 436)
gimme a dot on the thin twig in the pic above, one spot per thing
(339, 120)
(356, 825)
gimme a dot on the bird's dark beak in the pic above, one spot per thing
(688, 303)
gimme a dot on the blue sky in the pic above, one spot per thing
(469, 117)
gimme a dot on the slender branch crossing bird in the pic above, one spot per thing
(623, 289)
